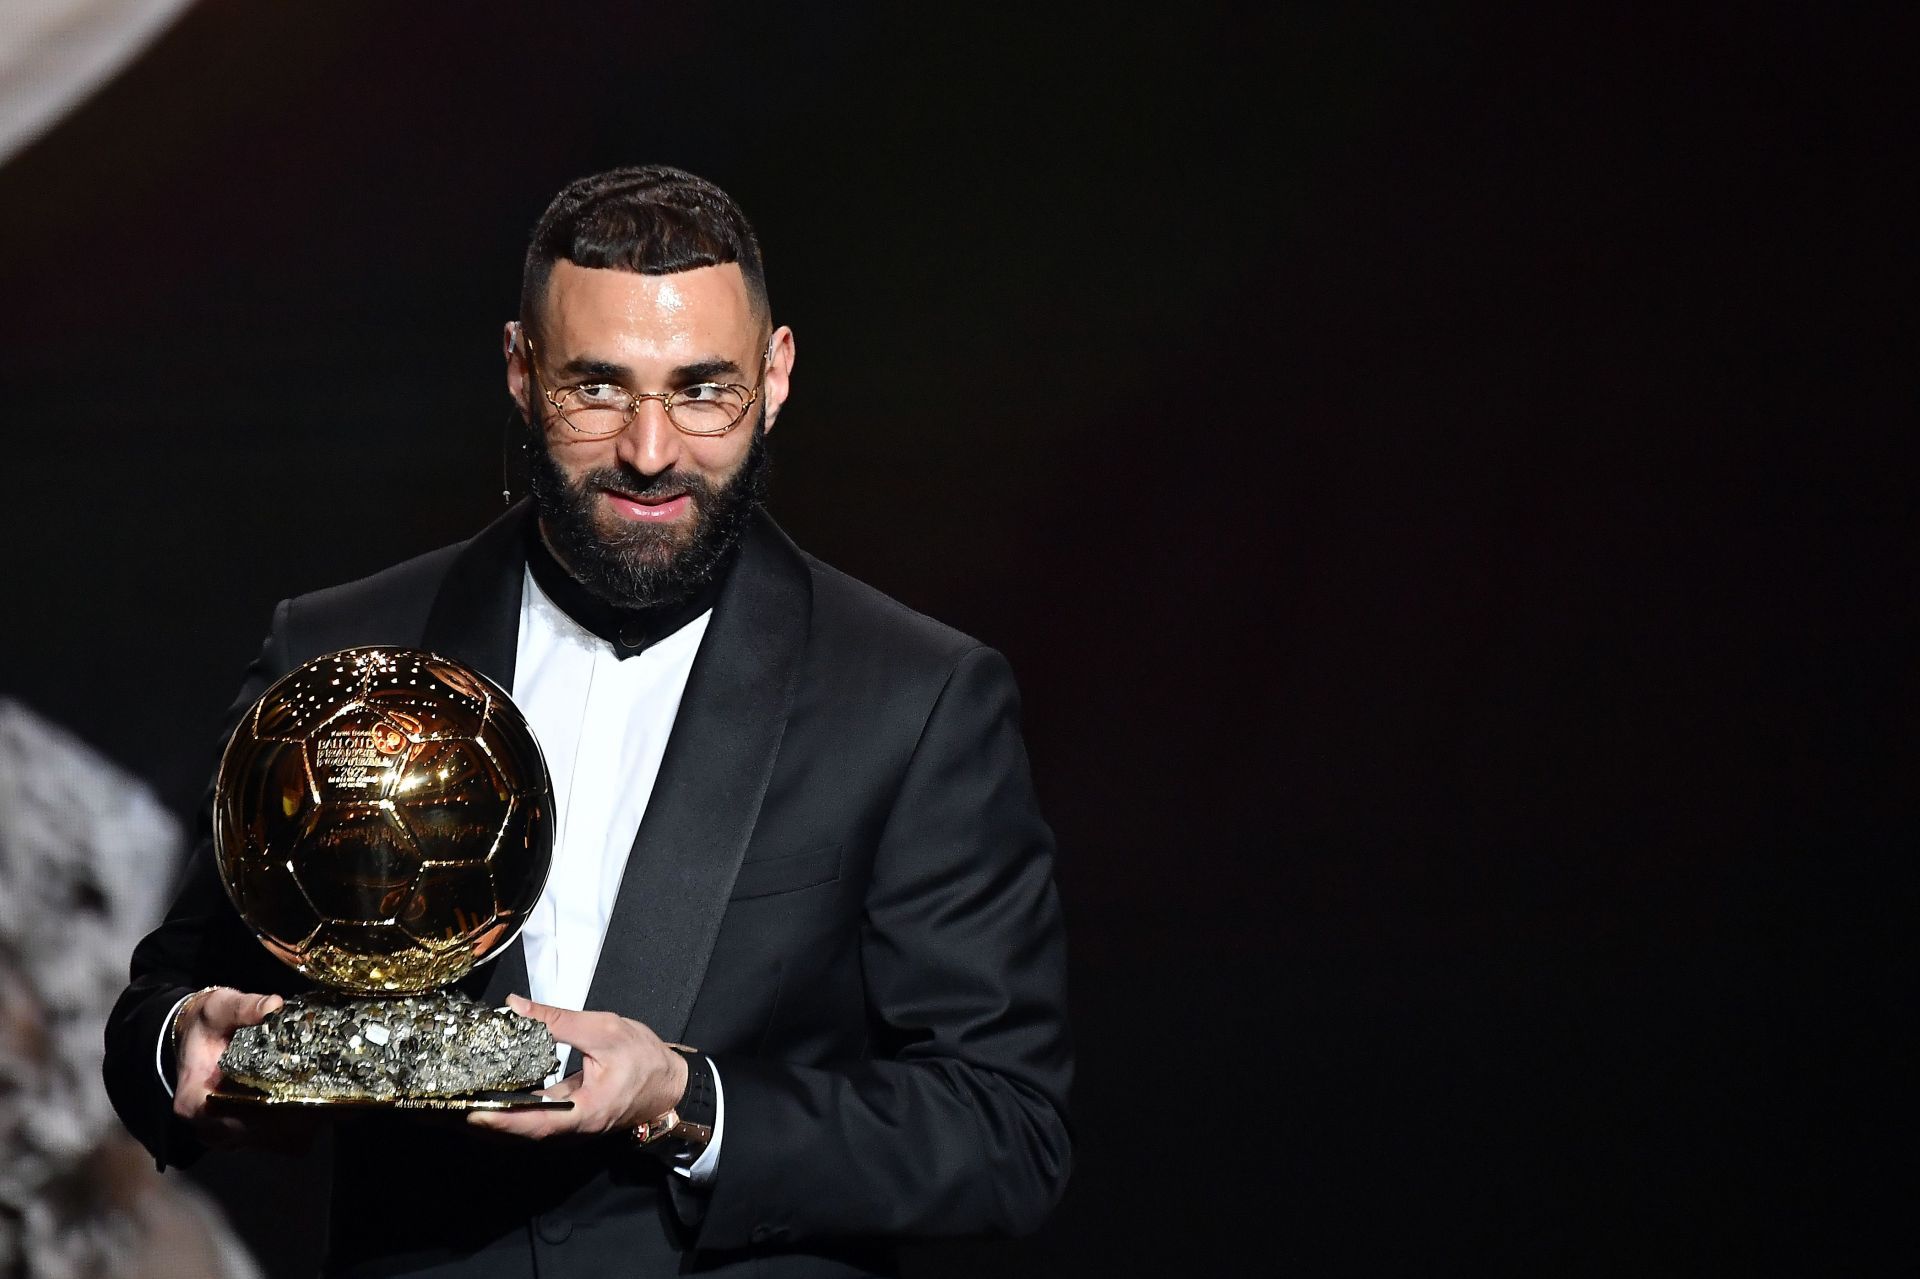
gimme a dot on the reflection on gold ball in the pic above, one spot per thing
(383, 820)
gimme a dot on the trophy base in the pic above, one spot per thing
(234, 1099)
(437, 1051)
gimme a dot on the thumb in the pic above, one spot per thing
(556, 1019)
(226, 1010)
(256, 1009)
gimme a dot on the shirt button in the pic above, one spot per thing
(553, 1229)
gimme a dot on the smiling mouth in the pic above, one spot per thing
(654, 499)
(655, 507)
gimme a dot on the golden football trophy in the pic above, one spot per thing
(383, 822)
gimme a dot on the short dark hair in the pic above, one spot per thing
(652, 219)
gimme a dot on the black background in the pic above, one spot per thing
(1437, 472)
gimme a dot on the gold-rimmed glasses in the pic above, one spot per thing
(596, 410)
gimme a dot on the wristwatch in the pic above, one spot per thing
(684, 1131)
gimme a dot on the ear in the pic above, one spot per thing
(516, 352)
(779, 372)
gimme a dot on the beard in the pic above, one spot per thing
(640, 565)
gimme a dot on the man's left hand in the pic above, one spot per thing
(627, 1077)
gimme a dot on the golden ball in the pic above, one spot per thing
(383, 820)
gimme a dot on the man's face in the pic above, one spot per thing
(644, 516)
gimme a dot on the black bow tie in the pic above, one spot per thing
(631, 631)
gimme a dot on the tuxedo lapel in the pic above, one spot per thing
(719, 759)
(475, 619)
(476, 613)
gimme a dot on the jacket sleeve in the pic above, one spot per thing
(956, 1123)
(201, 942)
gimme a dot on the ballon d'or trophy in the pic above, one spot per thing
(383, 822)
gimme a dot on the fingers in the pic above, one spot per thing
(532, 1124)
(225, 1010)
(263, 1007)
(537, 1123)
(208, 1025)
(631, 1077)
(591, 1033)
(206, 1028)
(521, 1123)
(558, 1020)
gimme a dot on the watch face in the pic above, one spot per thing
(648, 1133)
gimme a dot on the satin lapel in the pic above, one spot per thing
(476, 614)
(476, 619)
(706, 799)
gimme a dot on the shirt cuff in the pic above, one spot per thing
(166, 1029)
(701, 1171)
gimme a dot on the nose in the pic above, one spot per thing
(649, 444)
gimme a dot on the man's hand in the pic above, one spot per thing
(627, 1077)
(204, 1029)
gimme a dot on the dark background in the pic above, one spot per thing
(1435, 472)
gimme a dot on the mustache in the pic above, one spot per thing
(626, 481)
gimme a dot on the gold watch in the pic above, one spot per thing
(671, 1126)
(672, 1134)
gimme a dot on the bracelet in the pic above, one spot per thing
(180, 1015)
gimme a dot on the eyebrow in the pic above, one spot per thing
(684, 375)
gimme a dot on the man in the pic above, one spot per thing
(796, 832)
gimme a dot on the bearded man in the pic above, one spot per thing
(795, 830)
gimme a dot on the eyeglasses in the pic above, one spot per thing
(595, 410)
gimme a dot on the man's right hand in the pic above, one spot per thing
(204, 1027)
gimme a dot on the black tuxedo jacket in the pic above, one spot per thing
(842, 892)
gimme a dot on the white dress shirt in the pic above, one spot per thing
(602, 722)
